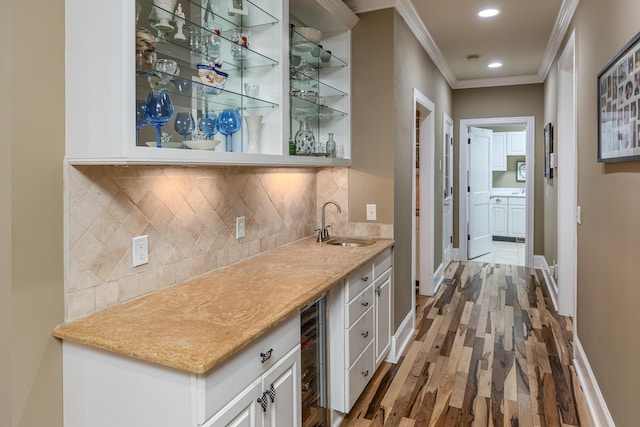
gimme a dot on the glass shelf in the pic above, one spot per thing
(216, 8)
(324, 90)
(184, 92)
(312, 53)
(301, 108)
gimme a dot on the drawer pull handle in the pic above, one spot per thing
(272, 393)
(378, 291)
(365, 334)
(263, 401)
(365, 373)
(266, 356)
(365, 303)
(365, 278)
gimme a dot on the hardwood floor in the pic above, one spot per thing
(489, 350)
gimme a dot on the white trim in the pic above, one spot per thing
(455, 254)
(463, 166)
(567, 239)
(447, 144)
(402, 338)
(427, 199)
(438, 275)
(540, 263)
(408, 12)
(595, 401)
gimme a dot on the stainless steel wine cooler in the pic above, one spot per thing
(315, 411)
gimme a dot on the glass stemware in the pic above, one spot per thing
(184, 124)
(158, 111)
(229, 122)
(140, 120)
(209, 124)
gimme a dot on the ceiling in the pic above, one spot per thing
(525, 36)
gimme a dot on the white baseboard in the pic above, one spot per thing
(437, 278)
(540, 262)
(455, 254)
(596, 403)
(402, 338)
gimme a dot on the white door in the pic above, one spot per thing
(447, 184)
(282, 389)
(479, 185)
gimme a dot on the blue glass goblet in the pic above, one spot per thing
(209, 124)
(230, 122)
(140, 120)
(184, 124)
(158, 111)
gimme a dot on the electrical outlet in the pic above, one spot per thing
(140, 250)
(240, 227)
(371, 212)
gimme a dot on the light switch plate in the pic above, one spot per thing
(140, 250)
(240, 232)
(371, 212)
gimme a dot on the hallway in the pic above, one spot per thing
(489, 351)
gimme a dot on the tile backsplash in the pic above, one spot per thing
(189, 215)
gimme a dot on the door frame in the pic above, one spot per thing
(447, 123)
(463, 167)
(567, 182)
(428, 285)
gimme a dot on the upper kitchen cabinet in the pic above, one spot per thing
(320, 80)
(178, 82)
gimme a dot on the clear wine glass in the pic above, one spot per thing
(209, 124)
(230, 122)
(140, 120)
(158, 111)
(184, 124)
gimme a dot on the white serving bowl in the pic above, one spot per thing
(312, 34)
(170, 144)
(202, 144)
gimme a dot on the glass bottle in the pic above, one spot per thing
(331, 147)
(305, 141)
(340, 151)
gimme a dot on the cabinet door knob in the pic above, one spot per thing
(365, 303)
(365, 334)
(365, 373)
(263, 401)
(266, 356)
(365, 278)
(378, 291)
(272, 393)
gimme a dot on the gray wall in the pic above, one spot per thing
(32, 297)
(505, 101)
(607, 320)
(508, 178)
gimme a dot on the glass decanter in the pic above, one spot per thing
(331, 147)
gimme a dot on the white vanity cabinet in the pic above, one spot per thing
(104, 389)
(499, 207)
(508, 216)
(359, 329)
(517, 217)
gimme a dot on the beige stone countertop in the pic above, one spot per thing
(196, 325)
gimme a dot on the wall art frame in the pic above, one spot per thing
(619, 106)
(548, 149)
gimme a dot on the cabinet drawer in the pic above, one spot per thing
(238, 372)
(499, 200)
(359, 280)
(359, 376)
(359, 336)
(517, 201)
(359, 305)
(382, 263)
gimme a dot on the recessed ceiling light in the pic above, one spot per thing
(495, 65)
(488, 13)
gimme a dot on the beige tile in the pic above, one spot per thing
(106, 295)
(80, 303)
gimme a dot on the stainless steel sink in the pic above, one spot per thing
(349, 242)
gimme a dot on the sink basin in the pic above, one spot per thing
(349, 242)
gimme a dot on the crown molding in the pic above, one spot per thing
(407, 10)
(560, 28)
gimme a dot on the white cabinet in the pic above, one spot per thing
(104, 389)
(499, 207)
(516, 143)
(517, 217)
(508, 216)
(499, 151)
(359, 329)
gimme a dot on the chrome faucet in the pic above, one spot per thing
(323, 232)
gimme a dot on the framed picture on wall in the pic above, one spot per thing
(521, 171)
(618, 105)
(548, 149)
